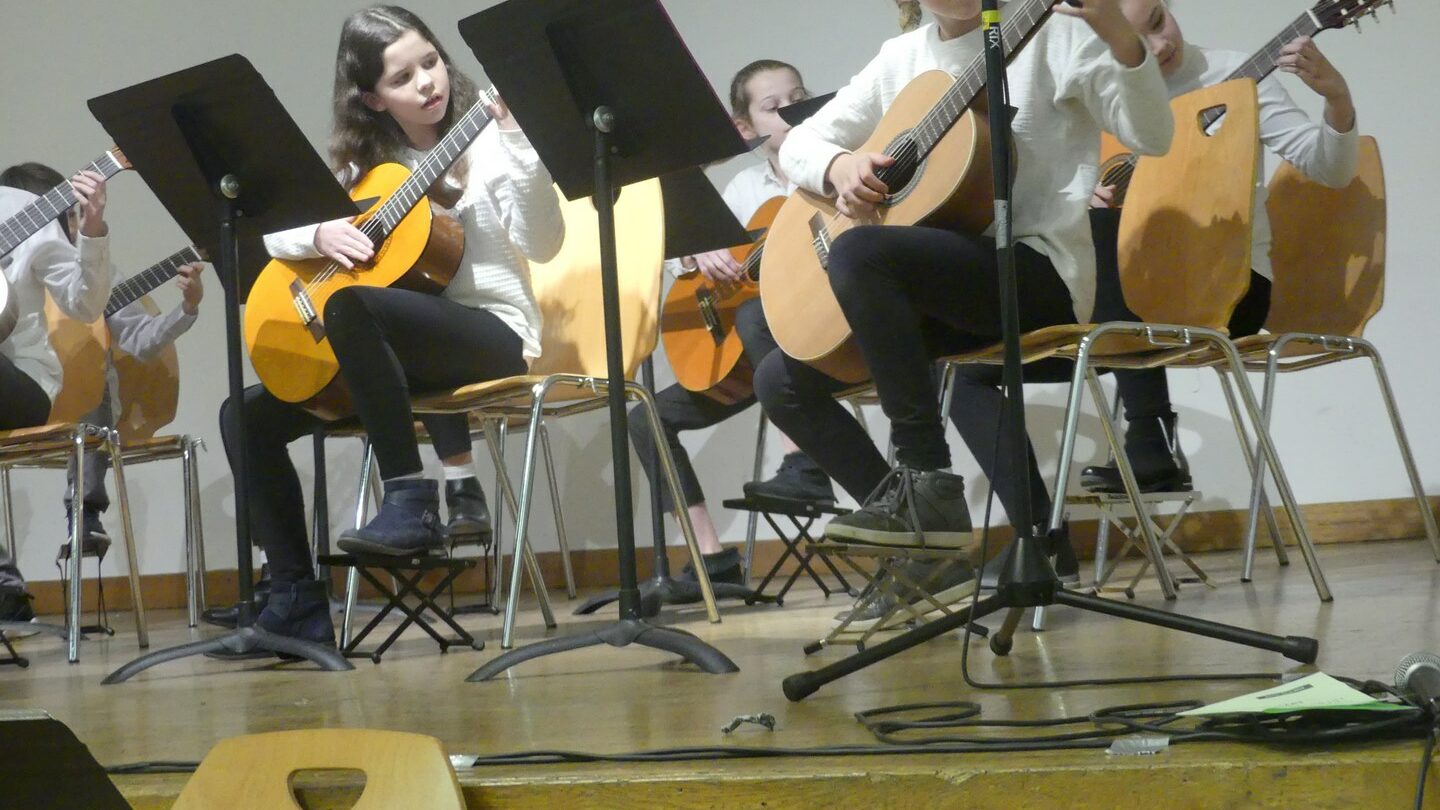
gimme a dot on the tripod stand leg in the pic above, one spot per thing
(1004, 640)
(621, 634)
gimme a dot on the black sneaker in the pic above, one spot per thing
(722, 566)
(952, 584)
(910, 509)
(1159, 462)
(798, 479)
(408, 523)
(15, 606)
(469, 516)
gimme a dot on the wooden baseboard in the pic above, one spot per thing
(1348, 522)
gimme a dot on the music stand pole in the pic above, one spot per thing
(1026, 577)
(213, 141)
(571, 70)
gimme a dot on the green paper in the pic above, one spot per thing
(1318, 692)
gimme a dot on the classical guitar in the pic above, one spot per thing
(1117, 164)
(417, 247)
(697, 322)
(941, 177)
(28, 221)
(146, 281)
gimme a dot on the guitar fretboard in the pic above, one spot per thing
(1262, 63)
(1022, 18)
(47, 207)
(137, 286)
(435, 163)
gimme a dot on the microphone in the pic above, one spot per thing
(1419, 674)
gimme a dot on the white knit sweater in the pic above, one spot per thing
(1067, 87)
(511, 216)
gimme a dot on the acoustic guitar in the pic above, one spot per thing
(418, 247)
(1117, 163)
(697, 322)
(941, 177)
(40, 212)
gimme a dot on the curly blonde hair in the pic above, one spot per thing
(909, 14)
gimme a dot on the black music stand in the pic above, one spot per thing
(794, 114)
(580, 76)
(230, 165)
(697, 220)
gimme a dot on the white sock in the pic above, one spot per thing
(457, 472)
(411, 477)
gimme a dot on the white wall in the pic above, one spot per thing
(59, 53)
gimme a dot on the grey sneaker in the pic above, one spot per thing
(910, 509)
(954, 583)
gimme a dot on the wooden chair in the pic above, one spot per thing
(1329, 262)
(1184, 263)
(256, 770)
(570, 375)
(64, 441)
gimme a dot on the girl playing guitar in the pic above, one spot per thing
(396, 96)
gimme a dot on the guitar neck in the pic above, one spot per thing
(142, 283)
(1022, 19)
(49, 206)
(435, 163)
(1263, 62)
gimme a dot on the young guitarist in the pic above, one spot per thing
(136, 332)
(1325, 151)
(912, 294)
(395, 96)
(77, 276)
(756, 93)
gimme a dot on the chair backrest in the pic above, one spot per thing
(572, 339)
(1184, 246)
(149, 389)
(82, 348)
(1329, 249)
(401, 770)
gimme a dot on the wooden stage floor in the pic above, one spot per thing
(614, 701)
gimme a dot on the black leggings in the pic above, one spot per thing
(22, 401)
(681, 409)
(387, 341)
(911, 295)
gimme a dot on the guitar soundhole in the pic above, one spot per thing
(908, 163)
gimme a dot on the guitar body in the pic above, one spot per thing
(149, 389)
(290, 351)
(83, 350)
(1117, 167)
(952, 188)
(698, 325)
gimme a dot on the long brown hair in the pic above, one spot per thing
(359, 136)
(909, 14)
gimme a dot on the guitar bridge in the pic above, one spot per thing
(708, 314)
(305, 308)
(820, 238)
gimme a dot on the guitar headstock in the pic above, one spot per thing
(1342, 13)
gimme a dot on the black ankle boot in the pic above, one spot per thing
(1153, 448)
(723, 566)
(798, 479)
(298, 610)
(469, 516)
(407, 524)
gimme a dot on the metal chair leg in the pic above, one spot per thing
(192, 607)
(1383, 381)
(524, 557)
(117, 467)
(1132, 489)
(1267, 454)
(556, 508)
(192, 466)
(72, 609)
(362, 514)
(677, 497)
(752, 523)
(7, 510)
(1257, 483)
